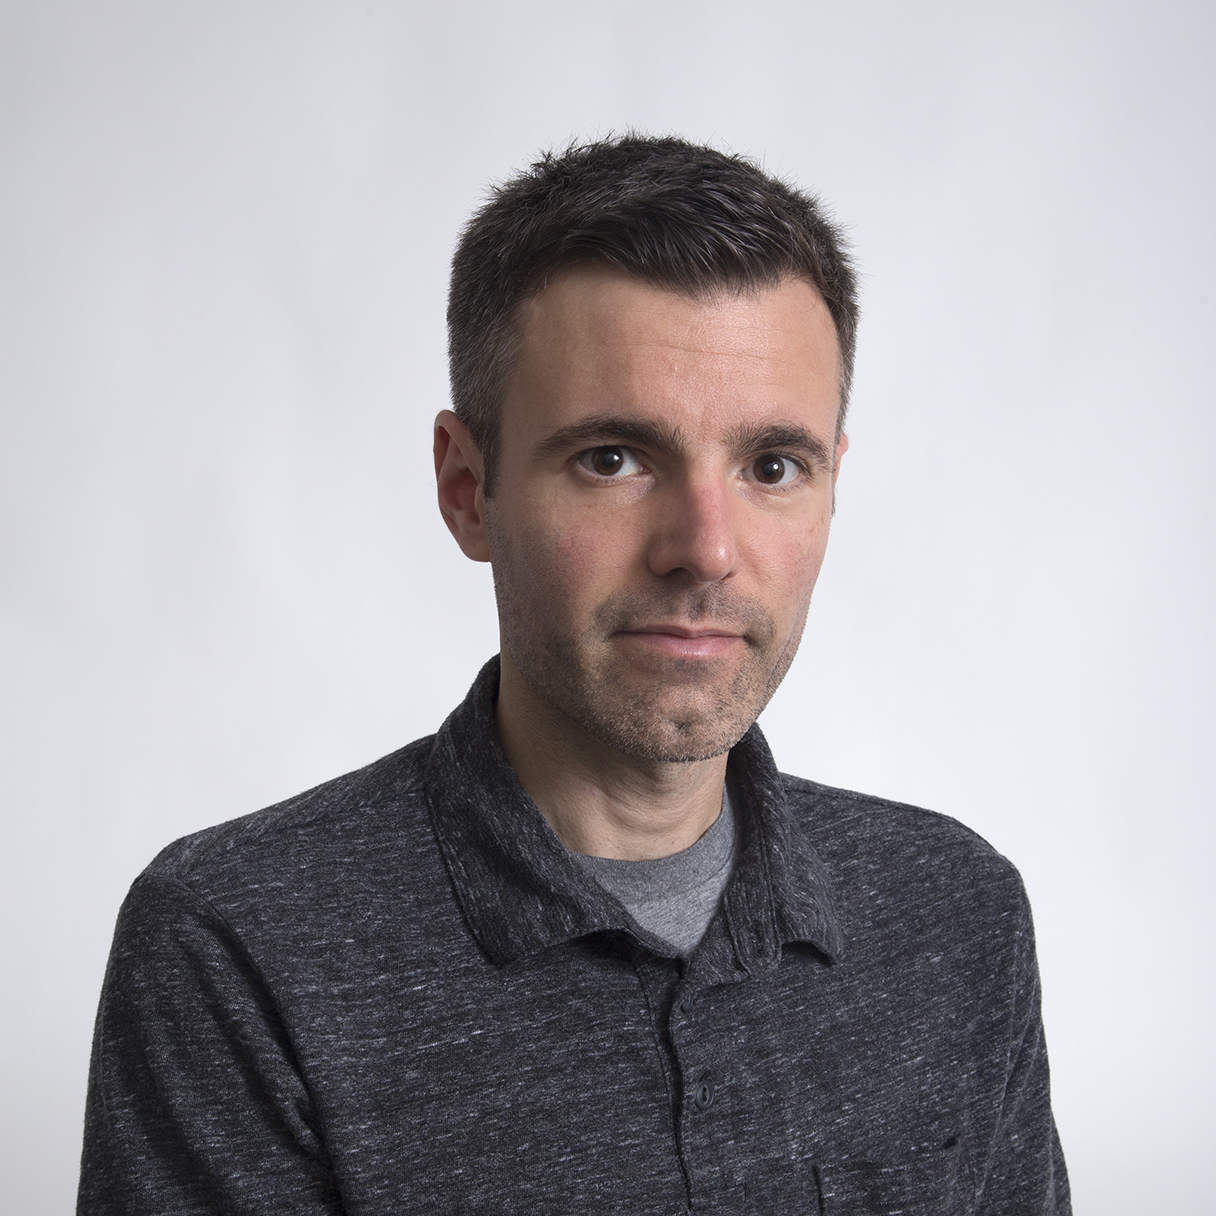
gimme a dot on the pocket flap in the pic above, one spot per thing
(927, 1184)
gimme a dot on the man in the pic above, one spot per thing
(585, 950)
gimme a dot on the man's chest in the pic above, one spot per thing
(595, 1079)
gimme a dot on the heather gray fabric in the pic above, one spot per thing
(672, 897)
(397, 993)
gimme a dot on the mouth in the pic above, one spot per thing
(683, 641)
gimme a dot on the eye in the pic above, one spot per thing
(610, 462)
(771, 470)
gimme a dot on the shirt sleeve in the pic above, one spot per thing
(196, 1103)
(1024, 1172)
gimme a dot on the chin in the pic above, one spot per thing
(674, 738)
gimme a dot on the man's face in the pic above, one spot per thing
(662, 503)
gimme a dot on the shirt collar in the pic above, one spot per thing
(521, 892)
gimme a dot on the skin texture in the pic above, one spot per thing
(659, 519)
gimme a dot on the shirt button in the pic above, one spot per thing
(703, 1095)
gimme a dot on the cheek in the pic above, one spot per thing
(790, 569)
(567, 564)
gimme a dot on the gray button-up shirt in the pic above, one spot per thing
(398, 993)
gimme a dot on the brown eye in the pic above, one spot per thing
(773, 470)
(610, 461)
(607, 461)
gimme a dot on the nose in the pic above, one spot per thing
(694, 531)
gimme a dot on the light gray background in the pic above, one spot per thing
(224, 230)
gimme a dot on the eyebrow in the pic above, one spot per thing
(609, 428)
(755, 438)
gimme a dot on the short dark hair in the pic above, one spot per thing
(671, 213)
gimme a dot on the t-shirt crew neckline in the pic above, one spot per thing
(673, 897)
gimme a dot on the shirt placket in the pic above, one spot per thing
(686, 1017)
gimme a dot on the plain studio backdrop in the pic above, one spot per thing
(224, 237)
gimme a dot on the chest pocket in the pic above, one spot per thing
(928, 1184)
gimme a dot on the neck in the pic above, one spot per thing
(598, 800)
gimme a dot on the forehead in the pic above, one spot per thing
(598, 340)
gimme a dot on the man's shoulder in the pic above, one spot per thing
(868, 818)
(349, 819)
(879, 844)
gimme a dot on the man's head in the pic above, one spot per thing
(663, 426)
(669, 213)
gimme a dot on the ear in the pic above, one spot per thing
(842, 446)
(459, 474)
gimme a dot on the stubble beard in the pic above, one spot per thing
(661, 708)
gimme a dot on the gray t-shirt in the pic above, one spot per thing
(673, 897)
